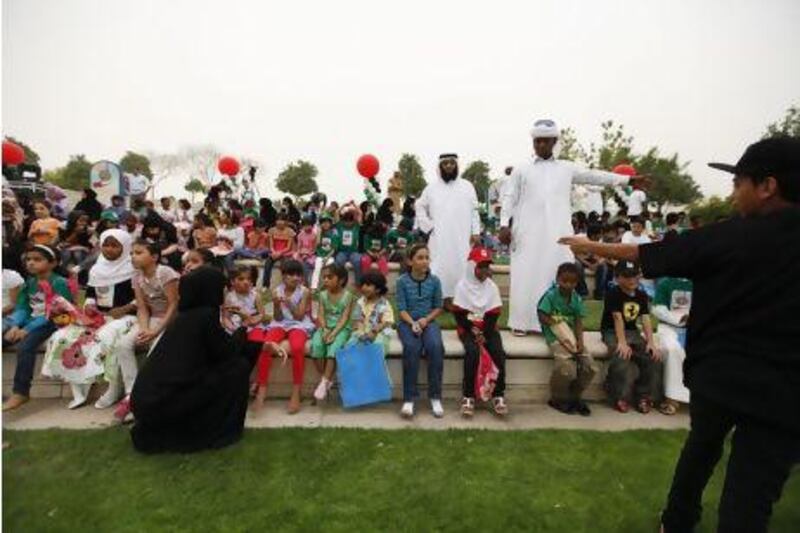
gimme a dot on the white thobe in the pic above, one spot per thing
(594, 199)
(538, 198)
(451, 211)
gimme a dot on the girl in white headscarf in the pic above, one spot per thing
(110, 289)
(476, 307)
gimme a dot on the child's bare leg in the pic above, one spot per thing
(261, 396)
(294, 400)
(330, 367)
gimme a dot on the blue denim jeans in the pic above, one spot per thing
(430, 341)
(354, 258)
(243, 253)
(26, 356)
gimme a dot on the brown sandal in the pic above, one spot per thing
(668, 408)
(644, 406)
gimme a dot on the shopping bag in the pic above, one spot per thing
(363, 376)
(486, 377)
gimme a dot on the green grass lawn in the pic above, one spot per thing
(353, 480)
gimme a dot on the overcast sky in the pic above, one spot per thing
(327, 81)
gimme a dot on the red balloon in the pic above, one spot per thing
(228, 166)
(13, 154)
(368, 166)
(624, 169)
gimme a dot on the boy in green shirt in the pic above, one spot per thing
(327, 244)
(561, 314)
(399, 240)
(349, 237)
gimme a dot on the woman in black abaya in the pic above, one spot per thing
(192, 392)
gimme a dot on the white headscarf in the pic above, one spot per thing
(545, 128)
(477, 297)
(106, 273)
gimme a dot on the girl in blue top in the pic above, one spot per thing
(28, 325)
(419, 303)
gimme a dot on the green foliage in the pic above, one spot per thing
(413, 175)
(569, 146)
(712, 209)
(789, 126)
(297, 179)
(74, 176)
(671, 183)
(133, 163)
(477, 173)
(194, 186)
(31, 157)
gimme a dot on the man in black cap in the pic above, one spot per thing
(743, 344)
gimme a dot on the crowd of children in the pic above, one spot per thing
(128, 263)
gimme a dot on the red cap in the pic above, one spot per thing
(480, 255)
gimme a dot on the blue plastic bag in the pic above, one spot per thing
(363, 376)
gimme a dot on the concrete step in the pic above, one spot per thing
(528, 370)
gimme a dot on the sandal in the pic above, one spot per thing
(668, 408)
(622, 406)
(644, 406)
(499, 405)
(467, 407)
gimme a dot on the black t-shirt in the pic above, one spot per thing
(743, 341)
(630, 306)
(122, 295)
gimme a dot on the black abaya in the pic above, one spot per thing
(192, 392)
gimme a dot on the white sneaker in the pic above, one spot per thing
(407, 411)
(322, 390)
(437, 409)
(112, 395)
(79, 393)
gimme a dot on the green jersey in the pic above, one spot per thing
(348, 237)
(560, 309)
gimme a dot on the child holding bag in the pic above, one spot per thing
(476, 307)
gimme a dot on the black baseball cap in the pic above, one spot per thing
(777, 156)
(627, 269)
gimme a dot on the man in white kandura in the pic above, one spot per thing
(537, 198)
(448, 209)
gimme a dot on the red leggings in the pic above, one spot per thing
(367, 260)
(297, 349)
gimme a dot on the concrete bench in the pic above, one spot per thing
(527, 370)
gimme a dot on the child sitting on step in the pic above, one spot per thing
(476, 307)
(625, 304)
(561, 314)
(28, 326)
(242, 307)
(333, 325)
(373, 317)
(291, 321)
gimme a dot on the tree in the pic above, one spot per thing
(789, 126)
(31, 157)
(297, 179)
(477, 173)
(670, 181)
(569, 147)
(413, 175)
(74, 176)
(133, 163)
(712, 209)
(194, 186)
